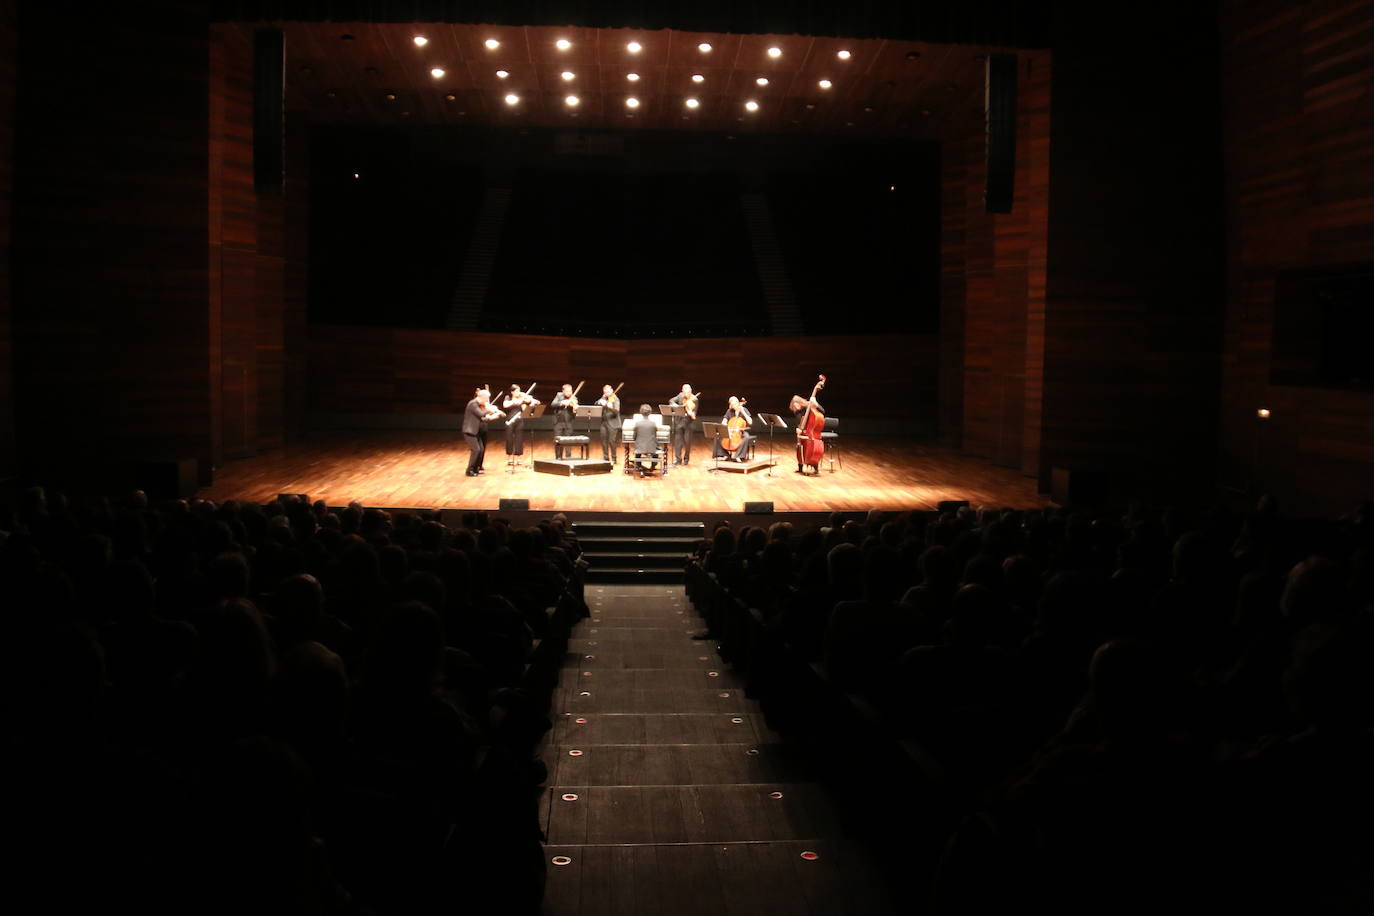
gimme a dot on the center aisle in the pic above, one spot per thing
(667, 792)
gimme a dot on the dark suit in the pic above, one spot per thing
(562, 422)
(682, 431)
(646, 436)
(610, 427)
(475, 433)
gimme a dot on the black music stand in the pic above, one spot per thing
(772, 421)
(527, 412)
(715, 432)
(670, 413)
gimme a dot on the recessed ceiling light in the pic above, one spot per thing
(492, 44)
(568, 75)
(868, 108)
(632, 102)
(571, 101)
(502, 74)
(810, 106)
(825, 84)
(562, 44)
(762, 81)
(512, 99)
(751, 105)
(692, 103)
(451, 97)
(437, 72)
(704, 47)
(632, 77)
(843, 55)
(698, 78)
(391, 96)
(356, 175)
(634, 47)
(420, 41)
(775, 52)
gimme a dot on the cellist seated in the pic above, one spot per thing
(740, 439)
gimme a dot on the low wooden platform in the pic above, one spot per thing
(424, 469)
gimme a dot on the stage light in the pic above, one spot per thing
(751, 105)
(390, 96)
(1262, 413)
(562, 44)
(632, 102)
(492, 44)
(843, 55)
(451, 97)
(825, 84)
(698, 78)
(502, 74)
(571, 101)
(692, 103)
(704, 47)
(568, 75)
(512, 99)
(420, 41)
(775, 52)
(634, 47)
(356, 175)
(632, 77)
(437, 72)
(762, 81)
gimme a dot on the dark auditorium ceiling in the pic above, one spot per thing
(380, 75)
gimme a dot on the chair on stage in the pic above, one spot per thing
(831, 440)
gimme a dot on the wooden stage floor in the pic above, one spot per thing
(423, 469)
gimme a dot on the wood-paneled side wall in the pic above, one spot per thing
(1132, 324)
(247, 242)
(8, 46)
(110, 270)
(993, 285)
(1298, 88)
(380, 371)
(296, 270)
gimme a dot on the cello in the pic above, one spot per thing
(810, 446)
(736, 426)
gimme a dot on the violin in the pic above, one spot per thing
(810, 446)
(736, 426)
(525, 397)
(689, 402)
(571, 402)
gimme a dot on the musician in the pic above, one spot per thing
(646, 436)
(515, 419)
(610, 421)
(682, 426)
(799, 408)
(475, 417)
(735, 409)
(563, 406)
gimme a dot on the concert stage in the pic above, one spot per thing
(423, 469)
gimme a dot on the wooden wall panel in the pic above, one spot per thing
(8, 46)
(1298, 90)
(375, 371)
(296, 271)
(110, 273)
(993, 284)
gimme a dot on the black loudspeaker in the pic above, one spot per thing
(758, 508)
(515, 505)
(999, 108)
(269, 110)
(951, 505)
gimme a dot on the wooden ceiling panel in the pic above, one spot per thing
(346, 80)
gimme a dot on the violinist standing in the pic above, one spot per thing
(475, 416)
(515, 419)
(564, 403)
(682, 426)
(609, 403)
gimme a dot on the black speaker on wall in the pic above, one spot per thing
(269, 110)
(999, 109)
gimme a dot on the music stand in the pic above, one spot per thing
(715, 432)
(772, 421)
(670, 413)
(586, 412)
(527, 412)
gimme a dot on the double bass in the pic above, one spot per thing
(810, 446)
(736, 426)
